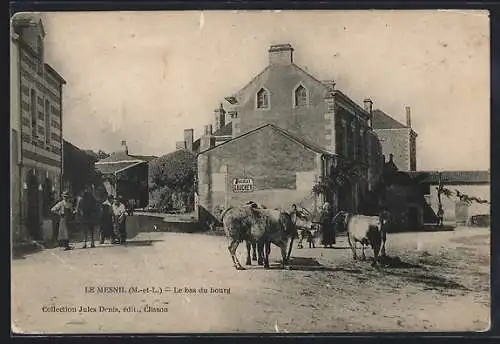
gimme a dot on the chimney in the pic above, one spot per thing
(124, 147)
(220, 117)
(188, 139)
(330, 85)
(408, 117)
(280, 54)
(368, 105)
(208, 130)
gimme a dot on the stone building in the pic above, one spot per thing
(36, 129)
(475, 184)
(278, 135)
(126, 175)
(397, 139)
(78, 169)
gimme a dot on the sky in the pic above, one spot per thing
(143, 77)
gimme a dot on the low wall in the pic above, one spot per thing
(144, 223)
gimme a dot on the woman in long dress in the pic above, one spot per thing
(64, 209)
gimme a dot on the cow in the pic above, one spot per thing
(261, 227)
(367, 230)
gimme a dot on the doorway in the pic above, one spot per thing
(461, 212)
(413, 220)
(33, 205)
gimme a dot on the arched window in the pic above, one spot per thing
(300, 96)
(262, 99)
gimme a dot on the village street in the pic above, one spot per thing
(442, 285)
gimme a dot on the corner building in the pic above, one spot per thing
(36, 130)
(282, 132)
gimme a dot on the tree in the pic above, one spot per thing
(174, 174)
(341, 173)
(102, 154)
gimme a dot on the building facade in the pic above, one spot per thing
(286, 103)
(397, 139)
(36, 129)
(462, 186)
(126, 175)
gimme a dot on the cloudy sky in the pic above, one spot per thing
(145, 76)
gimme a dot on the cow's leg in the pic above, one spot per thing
(384, 238)
(260, 250)
(254, 253)
(249, 247)
(233, 246)
(85, 230)
(363, 255)
(352, 245)
(284, 255)
(92, 243)
(267, 247)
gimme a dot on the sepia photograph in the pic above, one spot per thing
(186, 172)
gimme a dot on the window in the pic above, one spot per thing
(47, 122)
(262, 99)
(300, 96)
(33, 114)
(40, 48)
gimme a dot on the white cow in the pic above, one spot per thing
(367, 230)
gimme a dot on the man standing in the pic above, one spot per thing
(87, 214)
(119, 220)
(106, 220)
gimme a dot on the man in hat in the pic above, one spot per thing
(106, 220)
(87, 213)
(119, 219)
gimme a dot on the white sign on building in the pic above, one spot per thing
(242, 185)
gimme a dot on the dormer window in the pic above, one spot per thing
(263, 99)
(300, 96)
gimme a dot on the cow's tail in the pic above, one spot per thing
(224, 213)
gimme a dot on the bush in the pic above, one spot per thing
(161, 199)
(176, 173)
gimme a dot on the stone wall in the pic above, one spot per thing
(283, 172)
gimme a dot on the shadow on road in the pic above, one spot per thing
(309, 264)
(396, 263)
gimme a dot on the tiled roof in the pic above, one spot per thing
(452, 177)
(381, 120)
(120, 161)
(115, 167)
(144, 157)
(281, 131)
(226, 130)
(122, 156)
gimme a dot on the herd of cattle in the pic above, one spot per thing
(260, 227)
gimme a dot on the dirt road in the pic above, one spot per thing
(441, 282)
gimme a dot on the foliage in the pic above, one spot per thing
(461, 196)
(96, 156)
(175, 172)
(345, 172)
(102, 154)
(161, 199)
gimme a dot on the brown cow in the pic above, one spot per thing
(261, 227)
